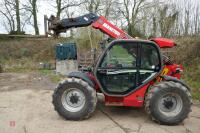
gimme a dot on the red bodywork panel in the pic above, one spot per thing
(108, 28)
(137, 98)
(164, 42)
(171, 70)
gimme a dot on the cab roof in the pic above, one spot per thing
(163, 42)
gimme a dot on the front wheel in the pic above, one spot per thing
(168, 103)
(74, 99)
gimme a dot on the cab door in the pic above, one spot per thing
(117, 70)
(127, 65)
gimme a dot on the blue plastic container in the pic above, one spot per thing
(66, 51)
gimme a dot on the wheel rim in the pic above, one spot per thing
(73, 100)
(170, 104)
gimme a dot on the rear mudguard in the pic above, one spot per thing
(82, 76)
(170, 78)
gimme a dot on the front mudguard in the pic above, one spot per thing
(170, 78)
(82, 76)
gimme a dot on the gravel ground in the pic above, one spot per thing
(25, 107)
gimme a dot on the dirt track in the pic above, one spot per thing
(25, 107)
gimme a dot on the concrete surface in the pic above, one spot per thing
(64, 67)
(25, 107)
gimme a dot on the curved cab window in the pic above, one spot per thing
(120, 64)
(120, 56)
(150, 62)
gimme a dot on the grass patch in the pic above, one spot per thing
(55, 78)
(196, 96)
(19, 65)
(45, 71)
(195, 87)
(191, 77)
(17, 70)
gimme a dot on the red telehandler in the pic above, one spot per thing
(129, 72)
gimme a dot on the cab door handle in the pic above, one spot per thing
(102, 71)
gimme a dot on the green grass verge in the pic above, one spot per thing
(191, 77)
(55, 78)
(18, 69)
(196, 96)
(195, 87)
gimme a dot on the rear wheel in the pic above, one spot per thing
(168, 103)
(74, 99)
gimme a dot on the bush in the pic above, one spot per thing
(17, 33)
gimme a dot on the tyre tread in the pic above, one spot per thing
(156, 88)
(57, 108)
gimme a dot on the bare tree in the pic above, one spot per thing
(17, 9)
(70, 15)
(108, 5)
(187, 18)
(194, 19)
(31, 7)
(110, 9)
(93, 5)
(166, 20)
(12, 13)
(34, 12)
(62, 5)
(9, 14)
(15, 16)
(131, 10)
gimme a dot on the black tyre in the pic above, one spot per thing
(168, 103)
(74, 99)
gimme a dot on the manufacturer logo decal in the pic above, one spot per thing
(111, 29)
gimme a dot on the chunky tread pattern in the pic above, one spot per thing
(165, 84)
(82, 83)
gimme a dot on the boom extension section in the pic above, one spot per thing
(59, 26)
(97, 22)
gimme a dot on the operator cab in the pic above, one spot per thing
(127, 65)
